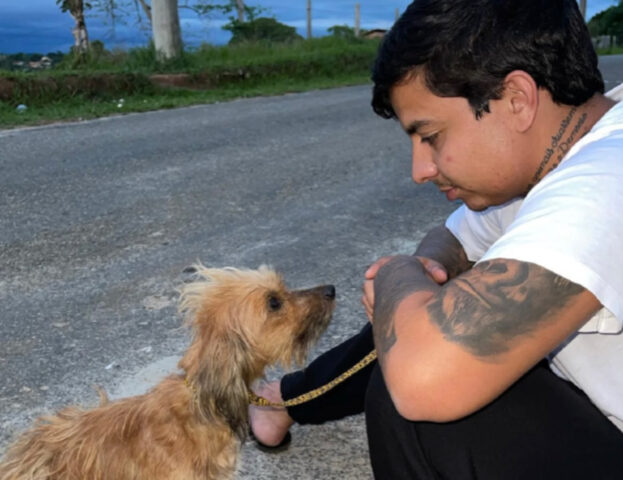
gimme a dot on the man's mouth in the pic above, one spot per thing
(450, 191)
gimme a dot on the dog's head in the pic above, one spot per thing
(243, 321)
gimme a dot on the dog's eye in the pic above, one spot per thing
(274, 303)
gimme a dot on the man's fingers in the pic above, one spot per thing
(435, 269)
(367, 299)
(374, 268)
(367, 307)
(439, 274)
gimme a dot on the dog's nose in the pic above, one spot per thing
(329, 291)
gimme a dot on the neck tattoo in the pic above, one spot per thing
(558, 149)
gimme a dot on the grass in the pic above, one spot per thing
(70, 92)
(206, 56)
(610, 51)
(80, 108)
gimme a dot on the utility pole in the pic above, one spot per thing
(357, 19)
(583, 8)
(309, 20)
(240, 7)
(397, 15)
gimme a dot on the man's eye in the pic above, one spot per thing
(430, 139)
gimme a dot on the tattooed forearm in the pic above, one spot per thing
(486, 309)
(394, 281)
(441, 245)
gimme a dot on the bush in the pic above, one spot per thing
(342, 31)
(40, 89)
(608, 22)
(243, 66)
(261, 29)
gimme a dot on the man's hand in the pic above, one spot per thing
(434, 269)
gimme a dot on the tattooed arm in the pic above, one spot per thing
(441, 246)
(439, 252)
(446, 351)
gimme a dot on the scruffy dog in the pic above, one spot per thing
(190, 426)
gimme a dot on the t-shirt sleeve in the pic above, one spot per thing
(571, 223)
(477, 231)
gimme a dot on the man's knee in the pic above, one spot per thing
(378, 402)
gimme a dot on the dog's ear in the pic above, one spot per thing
(223, 380)
(222, 359)
(221, 365)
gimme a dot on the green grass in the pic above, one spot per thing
(143, 60)
(80, 108)
(72, 91)
(610, 51)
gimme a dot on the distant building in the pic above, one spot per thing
(375, 33)
(41, 64)
(604, 41)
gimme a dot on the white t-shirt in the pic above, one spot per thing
(571, 223)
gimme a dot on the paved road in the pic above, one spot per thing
(611, 68)
(98, 219)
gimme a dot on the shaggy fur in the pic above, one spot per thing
(190, 426)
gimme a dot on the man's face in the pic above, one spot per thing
(477, 161)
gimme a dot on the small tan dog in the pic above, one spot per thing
(190, 426)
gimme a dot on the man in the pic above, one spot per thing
(504, 106)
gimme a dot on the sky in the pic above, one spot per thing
(38, 26)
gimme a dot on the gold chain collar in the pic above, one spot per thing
(256, 400)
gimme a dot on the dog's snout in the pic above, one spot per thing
(329, 292)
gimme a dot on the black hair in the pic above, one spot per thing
(465, 48)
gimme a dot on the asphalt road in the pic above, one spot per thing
(98, 219)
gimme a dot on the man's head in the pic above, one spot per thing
(481, 86)
(465, 48)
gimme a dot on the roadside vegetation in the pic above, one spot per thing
(606, 28)
(263, 57)
(111, 82)
(614, 50)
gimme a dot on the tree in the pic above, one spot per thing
(261, 29)
(342, 31)
(165, 25)
(76, 9)
(242, 10)
(608, 22)
(163, 17)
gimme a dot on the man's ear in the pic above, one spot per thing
(522, 98)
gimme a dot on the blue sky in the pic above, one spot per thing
(38, 26)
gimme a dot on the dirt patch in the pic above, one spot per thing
(18, 89)
(6, 88)
(198, 81)
(43, 88)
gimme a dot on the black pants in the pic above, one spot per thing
(540, 428)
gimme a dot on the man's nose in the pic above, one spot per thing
(423, 167)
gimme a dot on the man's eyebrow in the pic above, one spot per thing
(413, 127)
